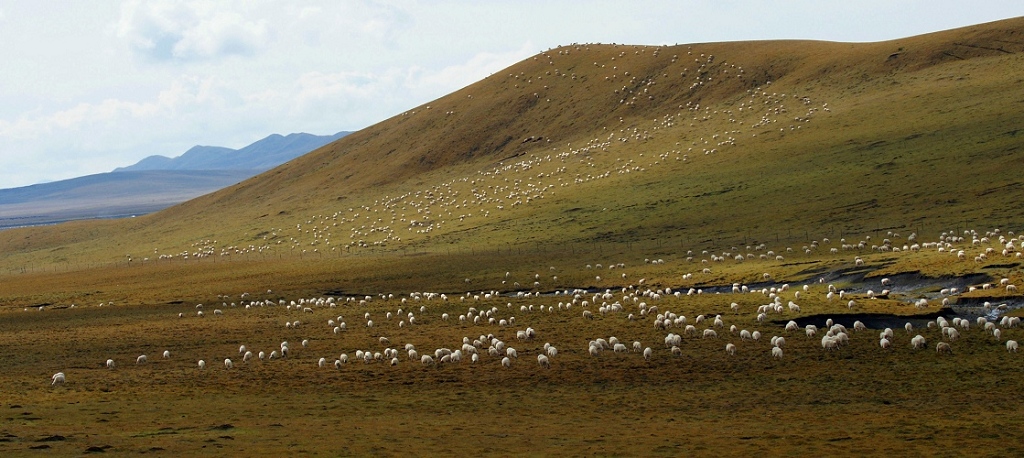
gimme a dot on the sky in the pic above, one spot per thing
(88, 86)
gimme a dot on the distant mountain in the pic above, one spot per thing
(261, 155)
(152, 184)
(109, 195)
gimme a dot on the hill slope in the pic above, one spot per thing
(703, 146)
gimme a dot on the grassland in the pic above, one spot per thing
(751, 160)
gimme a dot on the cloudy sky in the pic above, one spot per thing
(88, 86)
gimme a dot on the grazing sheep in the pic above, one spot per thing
(943, 347)
(110, 364)
(730, 349)
(648, 353)
(427, 360)
(58, 379)
(505, 362)
(141, 359)
(777, 352)
(884, 343)
(710, 333)
(167, 354)
(918, 342)
(543, 361)
(1011, 345)
(202, 364)
(228, 364)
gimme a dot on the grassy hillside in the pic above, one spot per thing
(591, 193)
(607, 149)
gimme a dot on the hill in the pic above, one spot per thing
(261, 155)
(596, 150)
(152, 184)
(109, 195)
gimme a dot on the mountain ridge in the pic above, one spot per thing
(262, 154)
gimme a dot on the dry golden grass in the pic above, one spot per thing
(860, 400)
(906, 137)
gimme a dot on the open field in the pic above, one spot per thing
(857, 400)
(626, 172)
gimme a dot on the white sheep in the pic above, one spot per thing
(730, 349)
(1011, 345)
(58, 379)
(141, 359)
(543, 361)
(428, 360)
(918, 342)
(228, 364)
(110, 364)
(943, 347)
(202, 364)
(648, 353)
(777, 352)
(167, 354)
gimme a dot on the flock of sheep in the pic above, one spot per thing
(744, 328)
(541, 172)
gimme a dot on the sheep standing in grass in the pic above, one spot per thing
(167, 354)
(648, 353)
(141, 359)
(58, 379)
(228, 364)
(943, 347)
(730, 349)
(505, 362)
(918, 342)
(777, 352)
(543, 361)
(202, 364)
(1011, 346)
(110, 364)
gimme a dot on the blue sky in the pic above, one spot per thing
(88, 86)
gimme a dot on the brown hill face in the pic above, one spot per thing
(757, 124)
(572, 91)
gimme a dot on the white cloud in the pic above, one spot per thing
(190, 31)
